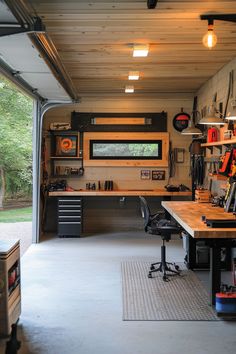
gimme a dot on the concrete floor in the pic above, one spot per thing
(71, 302)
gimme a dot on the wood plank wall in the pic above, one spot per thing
(126, 177)
(95, 38)
(109, 215)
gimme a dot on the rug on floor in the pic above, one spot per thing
(183, 298)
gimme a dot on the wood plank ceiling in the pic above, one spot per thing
(95, 40)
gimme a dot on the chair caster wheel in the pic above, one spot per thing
(176, 267)
(149, 275)
(165, 278)
(152, 267)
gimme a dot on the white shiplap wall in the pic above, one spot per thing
(217, 84)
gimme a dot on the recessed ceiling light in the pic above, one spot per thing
(140, 50)
(129, 89)
(133, 75)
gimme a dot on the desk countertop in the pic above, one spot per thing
(120, 193)
(188, 215)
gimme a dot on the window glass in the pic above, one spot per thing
(126, 149)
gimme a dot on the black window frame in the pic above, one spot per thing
(122, 141)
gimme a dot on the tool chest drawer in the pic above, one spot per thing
(69, 217)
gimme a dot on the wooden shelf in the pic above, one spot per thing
(65, 176)
(121, 193)
(212, 158)
(219, 143)
(217, 177)
(65, 158)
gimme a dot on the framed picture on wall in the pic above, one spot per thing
(66, 145)
(158, 175)
(145, 174)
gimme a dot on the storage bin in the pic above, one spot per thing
(226, 303)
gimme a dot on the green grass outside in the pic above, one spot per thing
(16, 215)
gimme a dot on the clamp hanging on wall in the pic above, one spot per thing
(81, 142)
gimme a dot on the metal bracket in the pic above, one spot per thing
(7, 29)
(220, 17)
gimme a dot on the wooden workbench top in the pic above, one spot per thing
(189, 216)
(120, 193)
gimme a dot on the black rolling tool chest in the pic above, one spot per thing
(69, 216)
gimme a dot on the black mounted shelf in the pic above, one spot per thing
(61, 161)
(62, 132)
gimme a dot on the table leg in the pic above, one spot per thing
(215, 272)
(191, 252)
(167, 214)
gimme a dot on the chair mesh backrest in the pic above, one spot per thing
(145, 211)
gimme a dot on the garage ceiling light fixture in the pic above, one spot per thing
(209, 39)
(129, 89)
(140, 50)
(133, 75)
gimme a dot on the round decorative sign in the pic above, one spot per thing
(66, 145)
(180, 121)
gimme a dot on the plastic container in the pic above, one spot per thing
(226, 303)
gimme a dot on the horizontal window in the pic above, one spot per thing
(126, 149)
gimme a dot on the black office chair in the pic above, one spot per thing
(155, 224)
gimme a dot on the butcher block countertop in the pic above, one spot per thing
(189, 216)
(120, 193)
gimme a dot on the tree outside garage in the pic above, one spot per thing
(16, 112)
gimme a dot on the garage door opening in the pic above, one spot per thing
(16, 124)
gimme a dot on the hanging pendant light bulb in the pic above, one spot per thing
(209, 40)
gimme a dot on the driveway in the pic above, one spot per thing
(18, 230)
